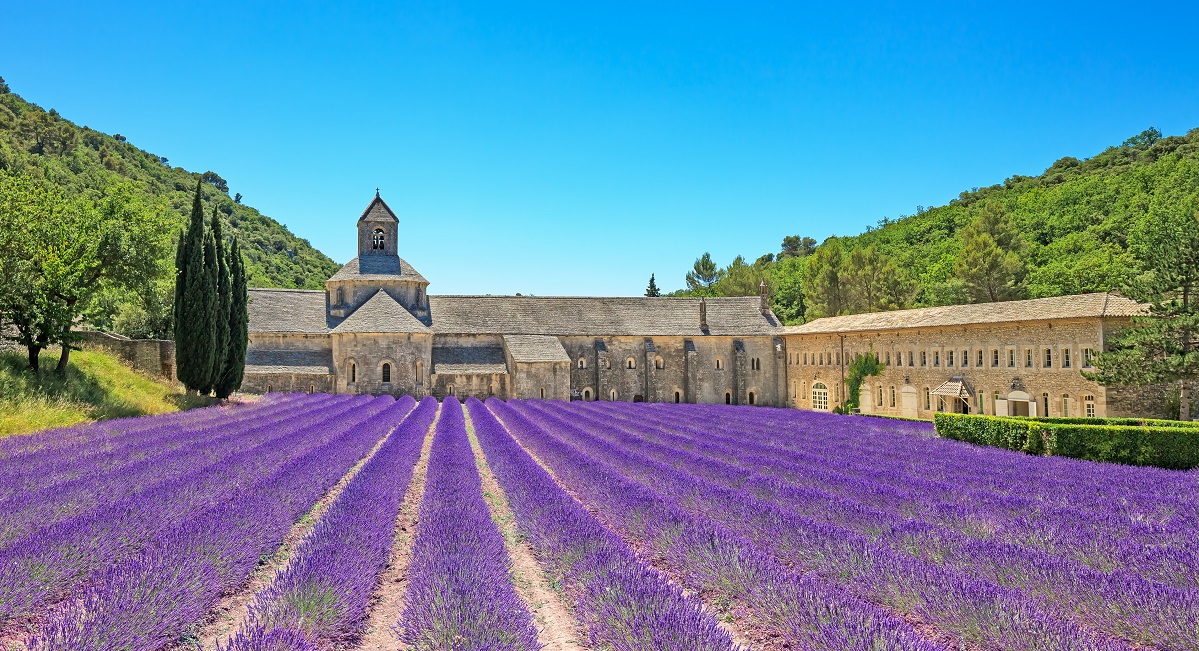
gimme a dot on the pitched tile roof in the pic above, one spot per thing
(597, 316)
(303, 312)
(535, 348)
(299, 311)
(468, 360)
(381, 313)
(378, 267)
(299, 362)
(1038, 309)
(378, 211)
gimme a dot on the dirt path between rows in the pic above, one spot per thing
(228, 615)
(388, 601)
(742, 632)
(557, 627)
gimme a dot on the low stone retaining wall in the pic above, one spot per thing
(154, 357)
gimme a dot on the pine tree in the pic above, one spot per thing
(652, 290)
(1161, 347)
(704, 273)
(220, 334)
(989, 263)
(235, 359)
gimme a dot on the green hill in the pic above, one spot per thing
(1070, 230)
(84, 161)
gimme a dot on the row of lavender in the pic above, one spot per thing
(321, 598)
(708, 556)
(623, 604)
(143, 558)
(737, 476)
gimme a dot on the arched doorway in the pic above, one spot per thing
(587, 395)
(753, 398)
(638, 398)
(1020, 404)
(819, 396)
(678, 397)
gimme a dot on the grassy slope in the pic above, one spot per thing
(97, 386)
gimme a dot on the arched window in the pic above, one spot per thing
(678, 397)
(612, 395)
(311, 389)
(819, 396)
(630, 363)
(268, 388)
(353, 373)
(543, 393)
(1065, 404)
(1045, 404)
(491, 389)
(418, 366)
(582, 362)
(879, 402)
(587, 394)
(377, 239)
(449, 390)
(659, 363)
(753, 398)
(927, 398)
(386, 373)
(728, 397)
(892, 397)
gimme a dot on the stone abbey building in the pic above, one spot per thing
(376, 329)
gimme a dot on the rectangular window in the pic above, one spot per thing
(927, 404)
(980, 359)
(965, 359)
(822, 359)
(1011, 357)
(1065, 358)
(924, 358)
(892, 397)
(1088, 357)
(936, 358)
(911, 358)
(888, 358)
(1090, 407)
(995, 358)
(1027, 358)
(880, 397)
(949, 359)
(1048, 358)
(1065, 404)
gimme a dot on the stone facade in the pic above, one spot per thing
(1018, 358)
(375, 329)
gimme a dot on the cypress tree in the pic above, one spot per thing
(239, 321)
(206, 299)
(220, 333)
(193, 312)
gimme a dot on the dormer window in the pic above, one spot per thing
(377, 239)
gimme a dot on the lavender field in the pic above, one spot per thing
(355, 522)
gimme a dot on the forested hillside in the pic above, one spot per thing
(1066, 231)
(84, 162)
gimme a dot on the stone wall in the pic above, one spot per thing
(920, 359)
(708, 370)
(154, 357)
(287, 383)
(408, 356)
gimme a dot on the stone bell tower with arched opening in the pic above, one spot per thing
(378, 230)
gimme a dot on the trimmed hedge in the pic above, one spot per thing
(1140, 443)
(1136, 422)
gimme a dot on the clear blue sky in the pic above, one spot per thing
(574, 148)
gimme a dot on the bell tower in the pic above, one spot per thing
(378, 229)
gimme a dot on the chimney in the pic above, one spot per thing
(763, 304)
(703, 314)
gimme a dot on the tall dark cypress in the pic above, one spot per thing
(239, 323)
(193, 321)
(220, 333)
(206, 299)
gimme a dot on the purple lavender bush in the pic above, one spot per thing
(460, 593)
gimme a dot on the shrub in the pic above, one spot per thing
(1130, 441)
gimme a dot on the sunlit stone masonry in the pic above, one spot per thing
(376, 329)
